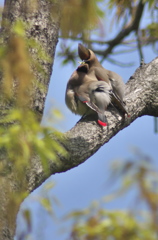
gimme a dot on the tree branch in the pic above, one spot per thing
(111, 44)
(86, 137)
(133, 26)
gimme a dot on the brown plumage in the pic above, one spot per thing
(85, 94)
(91, 88)
(102, 74)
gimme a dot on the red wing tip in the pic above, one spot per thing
(128, 116)
(102, 123)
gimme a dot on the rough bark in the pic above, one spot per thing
(42, 21)
(42, 24)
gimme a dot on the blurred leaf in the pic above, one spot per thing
(150, 2)
(152, 29)
(118, 225)
(57, 114)
(123, 8)
(19, 28)
(67, 54)
(28, 138)
(49, 185)
(27, 217)
(46, 204)
(85, 15)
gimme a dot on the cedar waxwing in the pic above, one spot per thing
(86, 95)
(77, 79)
(100, 98)
(102, 74)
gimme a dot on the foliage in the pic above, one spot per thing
(21, 135)
(98, 223)
(15, 59)
(26, 133)
(120, 13)
(25, 138)
(80, 16)
(116, 225)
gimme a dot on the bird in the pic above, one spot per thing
(100, 98)
(91, 88)
(102, 74)
(86, 95)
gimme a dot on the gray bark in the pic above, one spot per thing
(42, 19)
(86, 137)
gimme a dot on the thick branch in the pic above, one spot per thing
(86, 137)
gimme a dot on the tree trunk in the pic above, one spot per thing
(42, 20)
(42, 25)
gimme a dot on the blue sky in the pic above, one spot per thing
(78, 187)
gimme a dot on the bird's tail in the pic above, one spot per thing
(102, 120)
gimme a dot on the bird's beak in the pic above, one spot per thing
(83, 52)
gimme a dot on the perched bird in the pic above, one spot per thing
(91, 88)
(102, 74)
(74, 87)
(100, 98)
(86, 95)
